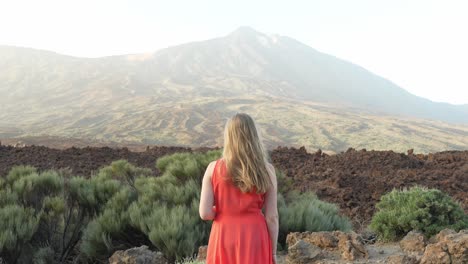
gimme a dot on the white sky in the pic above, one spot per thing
(421, 45)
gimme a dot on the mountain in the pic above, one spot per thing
(182, 95)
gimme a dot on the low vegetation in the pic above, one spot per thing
(55, 217)
(418, 208)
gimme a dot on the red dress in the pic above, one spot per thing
(239, 234)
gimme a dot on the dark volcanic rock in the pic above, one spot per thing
(81, 161)
(355, 180)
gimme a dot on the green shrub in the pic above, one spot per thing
(43, 215)
(19, 171)
(305, 212)
(30, 209)
(44, 255)
(161, 212)
(112, 191)
(426, 210)
(111, 231)
(17, 227)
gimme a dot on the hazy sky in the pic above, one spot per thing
(421, 45)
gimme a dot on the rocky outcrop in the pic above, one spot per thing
(414, 243)
(139, 255)
(309, 247)
(449, 247)
(302, 253)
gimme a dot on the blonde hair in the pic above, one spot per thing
(245, 155)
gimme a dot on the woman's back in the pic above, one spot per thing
(229, 199)
(239, 233)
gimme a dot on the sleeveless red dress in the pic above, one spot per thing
(239, 234)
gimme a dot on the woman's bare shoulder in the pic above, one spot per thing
(211, 167)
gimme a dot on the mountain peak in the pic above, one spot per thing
(246, 31)
(247, 34)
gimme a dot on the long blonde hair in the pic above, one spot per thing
(245, 155)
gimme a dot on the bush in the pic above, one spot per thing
(426, 210)
(43, 215)
(17, 227)
(28, 212)
(305, 212)
(112, 191)
(160, 212)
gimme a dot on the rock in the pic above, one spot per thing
(442, 235)
(449, 247)
(318, 152)
(302, 253)
(349, 150)
(138, 255)
(401, 259)
(319, 239)
(368, 237)
(410, 151)
(303, 150)
(323, 240)
(457, 245)
(413, 243)
(436, 254)
(351, 246)
(202, 253)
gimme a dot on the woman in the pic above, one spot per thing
(235, 188)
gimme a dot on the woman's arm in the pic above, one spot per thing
(206, 197)
(271, 208)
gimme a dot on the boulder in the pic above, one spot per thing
(138, 255)
(303, 253)
(319, 239)
(349, 246)
(436, 254)
(449, 247)
(457, 246)
(413, 243)
(442, 235)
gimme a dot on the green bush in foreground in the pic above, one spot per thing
(161, 212)
(305, 212)
(426, 210)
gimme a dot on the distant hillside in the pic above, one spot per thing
(182, 96)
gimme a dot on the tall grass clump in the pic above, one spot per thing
(417, 208)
